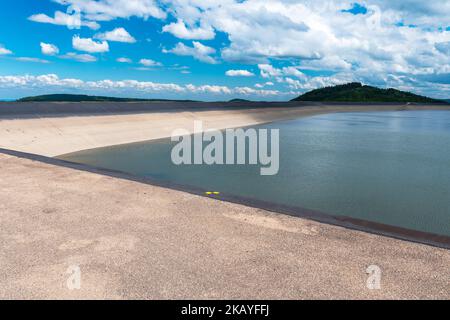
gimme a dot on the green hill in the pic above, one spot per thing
(356, 92)
(239, 100)
(85, 98)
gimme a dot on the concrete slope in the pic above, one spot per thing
(137, 241)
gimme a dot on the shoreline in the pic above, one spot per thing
(52, 135)
(346, 222)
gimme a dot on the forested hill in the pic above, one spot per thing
(356, 92)
(84, 98)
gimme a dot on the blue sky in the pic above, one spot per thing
(218, 50)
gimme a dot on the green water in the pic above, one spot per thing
(387, 167)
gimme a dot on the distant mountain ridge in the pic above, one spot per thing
(356, 92)
(86, 98)
(351, 92)
(239, 100)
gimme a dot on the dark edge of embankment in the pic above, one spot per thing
(67, 109)
(399, 233)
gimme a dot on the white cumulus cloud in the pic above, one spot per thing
(124, 60)
(107, 10)
(118, 35)
(239, 73)
(198, 51)
(89, 45)
(31, 59)
(49, 49)
(388, 40)
(71, 21)
(79, 57)
(150, 63)
(179, 30)
(4, 51)
(262, 85)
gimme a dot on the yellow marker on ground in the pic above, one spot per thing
(209, 193)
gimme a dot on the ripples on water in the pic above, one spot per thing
(387, 167)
